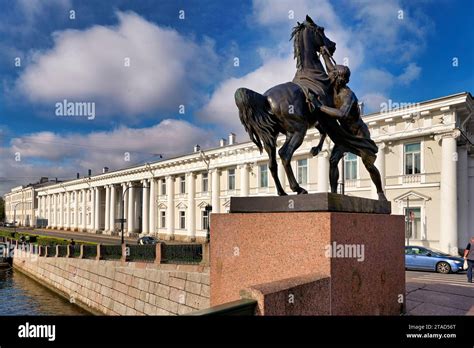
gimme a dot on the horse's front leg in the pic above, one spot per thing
(292, 143)
(273, 166)
(315, 150)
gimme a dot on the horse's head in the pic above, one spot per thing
(316, 35)
(320, 37)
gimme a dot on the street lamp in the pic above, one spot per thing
(122, 219)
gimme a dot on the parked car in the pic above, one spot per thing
(9, 224)
(147, 240)
(422, 258)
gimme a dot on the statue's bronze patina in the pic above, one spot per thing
(312, 99)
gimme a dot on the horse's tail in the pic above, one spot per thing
(256, 118)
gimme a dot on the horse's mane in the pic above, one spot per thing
(297, 49)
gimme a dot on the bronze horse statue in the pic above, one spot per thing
(284, 108)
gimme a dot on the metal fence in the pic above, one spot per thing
(75, 250)
(181, 253)
(89, 251)
(146, 253)
(110, 252)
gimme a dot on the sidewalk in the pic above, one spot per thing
(439, 299)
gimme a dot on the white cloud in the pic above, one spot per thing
(62, 155)
(372, 102)
(221, 108)
(88, 65)
(411, 73)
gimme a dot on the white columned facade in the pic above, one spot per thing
(323, 171)
(61, 211)
(68, 210)
(125, 205)
(244, 180)
(76, 210)
(107, 208)
(191, 217)
(170, 203)
(49, 215)
(84, 211)
(145, 207)
(131, 209)
(448, 239)
(216, 190)
(55, 211)
(463, 197)
(380, 164)
(112, 205)
(152, 226)
(96, 209)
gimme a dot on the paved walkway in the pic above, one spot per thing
(84, 236)
(430, 293)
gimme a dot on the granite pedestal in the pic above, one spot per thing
(358, 257)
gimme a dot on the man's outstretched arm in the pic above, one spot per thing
(342, 112)
(327, 59)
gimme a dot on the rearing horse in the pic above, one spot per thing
(284, 108)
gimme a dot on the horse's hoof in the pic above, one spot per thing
(302, 192)
(282, 193)
(382, 197)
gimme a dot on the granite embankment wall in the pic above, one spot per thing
(121, 288)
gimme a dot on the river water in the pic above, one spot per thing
(21, 295)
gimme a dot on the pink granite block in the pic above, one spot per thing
(258, 248)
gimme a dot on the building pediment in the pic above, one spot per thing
(412, 195)
(181, 205)
(203, 204)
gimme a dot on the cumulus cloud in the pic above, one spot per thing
(164, 69)
(62, 155)
(411, 73)
(376, 84)
(221, 108)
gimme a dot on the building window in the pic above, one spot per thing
(205, 182)
(413, 222)
(163, 187)
(412, 159)
(182, 219)
(302, 171)
(350, 166)
(163, 219)
(182, 184)
(263, 179)
(205, 219)
(231, 179)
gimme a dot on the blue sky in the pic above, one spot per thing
(398, 50)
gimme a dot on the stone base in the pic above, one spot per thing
(324, 201)
(251, 250)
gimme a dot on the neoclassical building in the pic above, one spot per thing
(426, 158)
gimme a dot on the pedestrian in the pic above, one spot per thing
(72, 242)
(469, 257)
